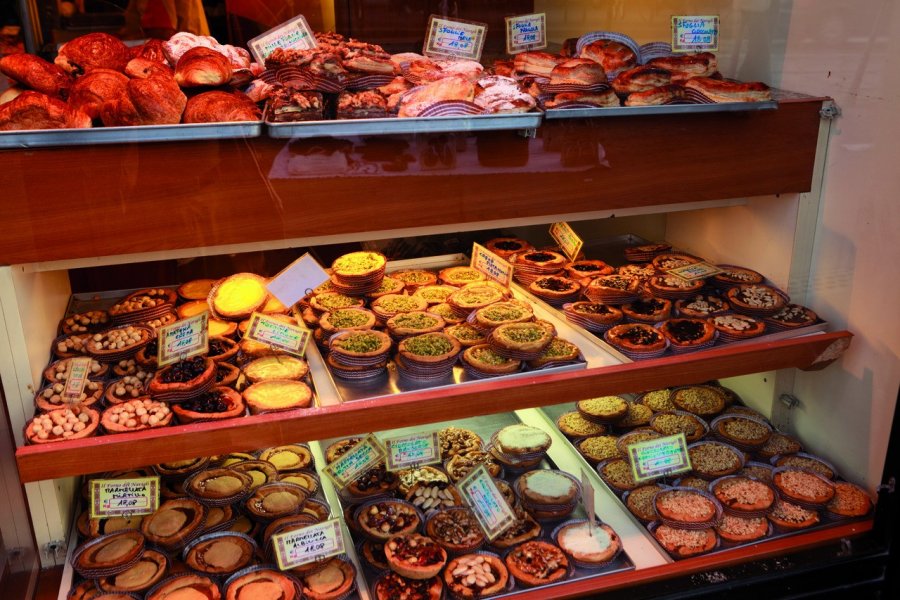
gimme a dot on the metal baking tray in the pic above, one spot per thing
(485, 426)
(42, 138)
(393, 125)
(663, 109)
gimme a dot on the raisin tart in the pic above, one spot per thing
(376, 481)
(688, 334)
(390, 586)
(183, 380)
(218, 404)
(476, 576)
(536, 563)
(684, 543)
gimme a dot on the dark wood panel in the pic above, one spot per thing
(65, 203)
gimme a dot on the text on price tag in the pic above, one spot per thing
(526, 32)
(79, 371)
(415, 450)
(367, 453)
(695, 271)
(567, 239)
(118, 497)
(308, 544)
(278, 334)
(481, 494)
(297, 280)
(659, 457)
(454, 38)
(183, 339)
(491, 265)
(290, 35)
(695, 33)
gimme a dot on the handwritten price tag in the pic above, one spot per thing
(414, 450)
(79, 370)
(183, 339)
(290, 35)
(700, 270)
(526, 32)
(567, 239)
(278, 334)
(297, 279)
(491, 265)
(662, 456)
(356, 461)
(454, 38)
(124, 497)
(695, 33)
(308, 544)
(480, 493)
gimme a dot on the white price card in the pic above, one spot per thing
(567, 239)
(526, 32)
(357, 460)
(294, 34)
(124, 497)
(695, 33)
(481, 494)
(297, 280)
(183, 339)
(659, 457)
(278, 334)
(415, 450)
(454, 38)
(79, 371)
(695, 271)
(308, 544)
(491, 265)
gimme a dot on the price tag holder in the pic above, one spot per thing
(278, 334)
(297, 280)
(567, 239)
(308, 544)
(79, 370)
(491, 265)
(693, 272)
(183, 339)
(124, 497)
(526, 32)
(294, 34)
(454, 38)
(356, 461)
(659, 457)
(480, 493)
(408, 451)
(587, 497)
(695, 33)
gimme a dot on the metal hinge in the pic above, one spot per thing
(888, 487)
(830, 111)
(846, 548)
(529, 133)
(55, 549)
(789, 400)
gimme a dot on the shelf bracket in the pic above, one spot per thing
(830, 111)
(529, 133)
(54, 550)
(789, 400)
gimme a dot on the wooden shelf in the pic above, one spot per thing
(124, 451)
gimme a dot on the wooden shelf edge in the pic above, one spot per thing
(114, 452)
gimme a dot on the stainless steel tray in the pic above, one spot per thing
(392, 126)
(42, 138)
(664, 109)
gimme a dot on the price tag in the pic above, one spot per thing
(526, 32)
(662, 456)
(454, 38)
(79, 370)
(480, 493)
(407, 451)
(293, 35)
(297, 280)
(695, 33)
(183, 339)
(567, 239)
(356, 461)
(700, 270)
(491, 265)
(308, 544)
(587, 497)
(124, 497)
(278, 334)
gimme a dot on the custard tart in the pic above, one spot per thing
(238, 296)
(275, 395)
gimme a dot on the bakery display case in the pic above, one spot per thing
(736, 188)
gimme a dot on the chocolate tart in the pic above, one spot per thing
(732, 275)
(849, 501)
(149, 569)
(466, 335)
(676, 421)
(174, 523)
(756, 300)
(218, 486)
(275, 500)
(85, 322)
(136, 415)
(222, 349)
(261, 472)
(238, 296)
(50, 397)
(413, 279)
(330, 301)
(62, 424)
(593, 316)
(597, 448)
(540, 261)
(254, 583)
(555, 290)
(219, 553)
(435, 294)
(502, 313)
(613, 289)
(711, 460)
(701, 306)
(683, 543)
(740, 494)
(183, 380)
(504, 247)
(227, 375)
(605, 409)
(688, 334)
(648, 310)
(412, 323)
(640, 501)
(415, 556)
(381, 520)
(587, 544)
(391, 586)
(701, 400)
(288, 458)
(524, 341)
(196, 289)
(573, 426)
(486, 361)
(334, 580)
(537, 563)
(476, 576)
(218, 404)
(187, 585)
(415, 475)
(275, 395)
(456, 440)
(460, 276)
(58, 371)
(737, 529)
(455, 529)
(109, 554)
(346, 319)
(788, 515)
(802, 487)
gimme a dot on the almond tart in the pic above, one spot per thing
(391, 586)
(688, 334)
(791, 516)
(476, 576)
(461, 465)
(683, 543)
(732, 275)
(238, 296)
(460, 276)
(109, 554)
(737, 529)
(455, 529)
(271, 501)
(792, 316)
(412, 323)
(740, 494)
(415, 556)
(588, 544)
(254, 583)
(466, 335)
(525, 341)
(276, 395)
(218, 404)
(425, 474)
(685, 506)
(504, 247)
(803, 487)
(174, 523)
(197, 289)
(288, 458)
(220, 553)
(386, 518)
(343, 319)
(145, 573)
(734, 327)
(757, 300)
(183, 380)
(711, 460)
(701, 306)
(537, 563)
(332, 581)
(278, 366)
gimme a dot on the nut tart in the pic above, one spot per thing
(346, 319)
(757, 470)
(648, 310)
(598, 448)
(849, 501)
(635, 436)
(460, 276)
(593, 316)
(605, 409)
(415, 556)
(271, 501)
(686, 506)
(476, 576)
(802, 487)
(146, 356)
(616, 473)
(197, 289)
(520, 441)
(504, 247)
(359, 267)
(381, 520)
(640, 501)
(462, 464)
(524, 528)
(447, 312)
(220, 553)
(263, 583)
(149, 569)
(431, 496)
(216, 405)
(435, 294)
(474, 297)
(222, 349)
(50, 397)
(792, 316)
(425, 474)
(502, 313)
(238, 296)
(69, 345)
(642, 271)
(684, 543)
(186, 586)
(559, 351)
(739, 494)
(701, 400)
(637, 340)
(276, 367)
(805, 461)
(218, 486)
(673, 287)
(192, 308)
(543, 487)
(109, 554)
(288, 458)
(613, 289)
(387, 286)
(756, 300)
(123, 389)
(456, 440)
(85, 322)
(58, 371)
(136, 415)
(360, 348)
(638, 415)
(414, 279)
(688, 334)
(583, 271)
(676, 421)
(711, 460)
(692, 481)
(330, 301)
(574, 426)
(734, 327)
(664, 262)
(587, 544)
(555, 290)
(143, 305)
(466, 335)
(391, 586)
(537, 563)
(408, 324)
(261, 472)
(484, 361)
(745, 432)
(701, 306)
(732, 276)
(391, 305)
(174, 523)
(791, 516)
(525, 341)
(277, 395)
(112, 345)
(658, 400)
(340, 448)
(429, 348)
(181, 468)
(183, 380)
(376, 481)
(335, 580)
(738, 529)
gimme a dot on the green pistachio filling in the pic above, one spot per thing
(413, 276)
(434, 293)
(502, 313)
(465, 332)
(557, 347)
(414, 321)
(333, 301)
(428, 345)
(523, 334)
(358, 262)
(466, 275)
(341, 319)
(487, 355)
(360, 342)
(476, 296)
(443, 310)
(397, 303)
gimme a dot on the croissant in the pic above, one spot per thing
(202, 67)
(151, 50)
(33, 110)
(143, 68)
(156, 100)
(218, 107)
(36, 73)
(91, 91)
(93, 51)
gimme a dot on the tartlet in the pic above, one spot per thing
(589, 544)
(219, 553)
(555, 289)
(756, 299)
(108, 554)
(685, 506)
(807, 462)
(472, 298)
(536, 563)
(220, 485)
(593, 315)
(261, 583)
(638, 415)
(849, 501)
(360, 347)
(658, 400)
(792, 316)
(742, 494)
(672, 286)
(174, 523)
(149, 569)
(737, 327)
(459, 276)
(277, 395)
(525, 341)
(358, 266)
(701, 306)
(485, 360)
(672, 260)
(613, 289)
(455, 529)
(260, 471)
(648, 310)
(617, 474)
(585, 270)
(461, 465)
(683, 543)
(334, 580)
(384, 519)
(275, 367)
(391, 586)
(742, 529)
(548, 494)
(272, 501)
(217, 404)
(790, 516)
(688, 334)
(466, 335)
(415, 278)
(391, 305)
(573, 426)
(456, 440)
(598, 448)
(505, 247)
(711, 460)
(605, 409)
(135, 415)
(331, 301)
(62, 424)
(476, 576)
(558, 351)
(237, 296)
(638, 338)
(799, 486)
(414, 323)
(291, 457)
(184, 379)
(186, 585)
(672, 422)
(435, 294)
(701, 400)
(524, 528)
(222, 349)
(519, 441)
(415, 556)
(732, 275)
(744, 432)
(374, 482)
(640, 501)
(502, 313)
(196, 289)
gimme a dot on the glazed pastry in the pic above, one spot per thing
(219, 107)
(37, 74)
(156, 100)
(719, 90)
(91, 91)
(33, 110)
(93, 51)
(613, 56)
(202, 67)
(641, 79)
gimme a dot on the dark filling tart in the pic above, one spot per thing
(375, 478)
(588, 268)
(640, 336)
(593, 309)
(685, 331)
(424, 552)
(647, 307)
(538, 257)
(393, 585)
(508, 246)
(185, 370)
(619, 283)
(212, 402)
(217, 347)
(553, 284)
